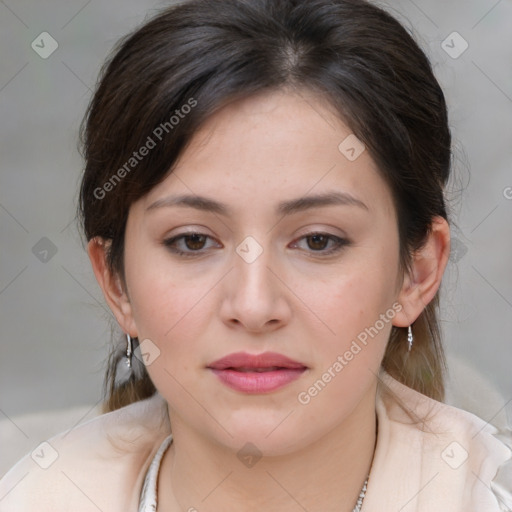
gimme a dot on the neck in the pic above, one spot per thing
(327, 475)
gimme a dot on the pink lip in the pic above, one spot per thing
(271, 371)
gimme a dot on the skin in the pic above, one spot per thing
(251, 155)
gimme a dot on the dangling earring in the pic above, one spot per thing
(129, 351)
(409, 337)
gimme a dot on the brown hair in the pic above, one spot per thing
(203, 54)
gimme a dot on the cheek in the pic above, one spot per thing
(357, 319)
(352, 301)
(166, 310)
(172, 315)
(355, 307)
(168, 304)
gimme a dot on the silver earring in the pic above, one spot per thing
(409, 337)
(128, 351)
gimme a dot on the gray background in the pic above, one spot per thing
(54, 328)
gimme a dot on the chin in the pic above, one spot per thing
(269, 438)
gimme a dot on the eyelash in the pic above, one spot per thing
(169, 243)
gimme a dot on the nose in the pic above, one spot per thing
(256, 297)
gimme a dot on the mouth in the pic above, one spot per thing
(257, 370)
(260, 373)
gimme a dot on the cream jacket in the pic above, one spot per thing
(451, 462)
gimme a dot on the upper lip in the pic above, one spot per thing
(245, 360)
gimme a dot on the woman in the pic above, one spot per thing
(264, 210)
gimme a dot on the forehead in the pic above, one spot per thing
(274, 145)
(280, 126)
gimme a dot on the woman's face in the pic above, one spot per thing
(258, 280)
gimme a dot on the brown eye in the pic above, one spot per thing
(187, 244)
(194, 242)
(319, 243)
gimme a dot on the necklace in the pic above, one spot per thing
(362, 494)
(148, 495)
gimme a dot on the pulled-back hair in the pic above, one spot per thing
(205, 54)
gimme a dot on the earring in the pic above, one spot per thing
(128, 351)
(409, 337)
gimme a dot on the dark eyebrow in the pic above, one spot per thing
(283, 208)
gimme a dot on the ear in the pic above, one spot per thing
(428, 267)
(111, 285)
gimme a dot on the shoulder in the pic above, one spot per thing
(98, 465)
(449, 450)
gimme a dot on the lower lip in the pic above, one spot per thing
(258, 382)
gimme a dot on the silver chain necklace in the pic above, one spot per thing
(362, 494)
